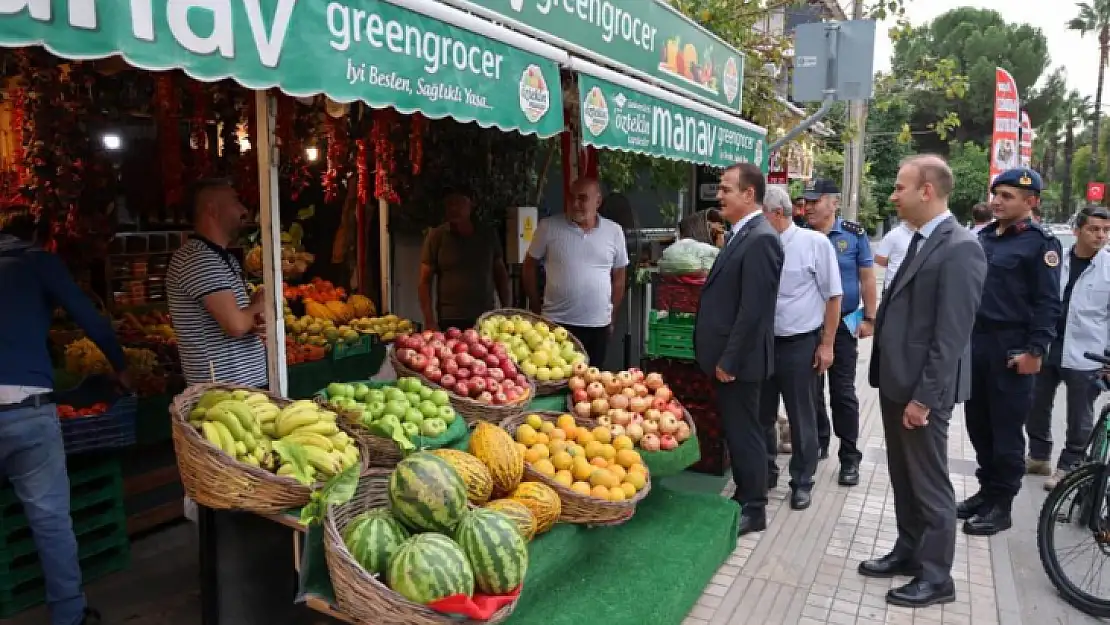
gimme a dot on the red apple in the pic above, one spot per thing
(427, 335)
(427, 351)
(485, 398)
(478, 351)
(498, 350)
(509, 368)
(492, 361)
(444, 353)
(448, 381)
(433, 374)
(461, 348)
(433, 363)
(465, 360)
(453, 333)
(437, 344)
(496, 374)
(659, 403)
(500, 399)
(451, 343)
(486, 342)
(521, 380)
(405, 355)
(462, 389)
(493, 385)
(477, 385)
(463, 373)
(470, 335)
(479, 368)
(450, 366)
(667, 442)
(438, 336)
(512, 394)
(419, 362)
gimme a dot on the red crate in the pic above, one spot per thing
(677, 293)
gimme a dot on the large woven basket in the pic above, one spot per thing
(380, 451)
(215, 479)
(549, 387)
(577, 508)
(685, 415)
(470, 409)
(361, 596)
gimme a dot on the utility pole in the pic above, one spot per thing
(854, 152)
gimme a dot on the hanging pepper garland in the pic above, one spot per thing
(198, 139)
(416, 143)
(337, 155)
(13, 180)
(246, 169)
(167, 114)
(292, 128)
(363, 172)
(385, 162)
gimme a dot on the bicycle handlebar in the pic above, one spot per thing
(1103, 359)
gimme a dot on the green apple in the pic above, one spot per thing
(560, 334)
(413, 398)
(529, 368)
(361, 391)
(428, 409)
(336, 390)
(413, 415)
(447, 413)
(348, 390)
(521, 352)
(433, 428)
(375, 409)
(375, 394)
(540, 358)
(412, 430)
(396, 408)
(393, 393)
(543, 374)
(441, 398)
(426, 392)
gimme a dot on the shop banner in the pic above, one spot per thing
(365, 50)
(1005, 152)
(646, 35)
(1026, 140)
(621, 119)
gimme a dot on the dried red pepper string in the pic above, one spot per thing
(416, 143)
(363, 172)
(337, 152)
(246, 179)
(18, 97)
(202, 164)
(384, 156)
(169, 132)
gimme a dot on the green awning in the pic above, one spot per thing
(367, 50)
(620, 118)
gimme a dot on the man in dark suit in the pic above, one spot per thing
(734, 334)
(921, 364)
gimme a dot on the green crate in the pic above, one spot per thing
(360, 347)
(23, 568)
(107, 558)
(19, 541)
(670, 335)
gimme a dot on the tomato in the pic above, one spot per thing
(85, 412)
(99, 407)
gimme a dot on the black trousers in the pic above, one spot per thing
(996, 413)
(595, 340)
(738, 403)
(842, 398)
(924, 501)
(462, 324)
(793, 380)
(1082, 391)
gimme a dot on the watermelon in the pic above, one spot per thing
(495, 549)
(427, 494)
(373, 538)
(479, 483)
(518, 513)
(429, 567)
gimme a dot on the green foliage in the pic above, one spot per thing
(970, 164)
(1081, 171)
(624, 171)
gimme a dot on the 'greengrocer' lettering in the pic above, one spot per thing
(349, 26)
(612, 20)
(268, 43)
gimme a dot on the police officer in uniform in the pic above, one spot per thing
(857, 276)
(1014, 327)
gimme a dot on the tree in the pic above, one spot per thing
(1076, 110)
(1094, 17)
(970, 163)
(976, 41)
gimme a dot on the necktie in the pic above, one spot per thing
(728, 236)
(915, 243)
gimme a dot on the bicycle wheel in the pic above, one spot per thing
(1097, 446)
(1058, 513)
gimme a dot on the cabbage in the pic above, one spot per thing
(687, 256)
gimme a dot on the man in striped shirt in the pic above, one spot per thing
(216, 321)
(586, 257)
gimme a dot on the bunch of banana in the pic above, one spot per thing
(234, 426)
(328, 450)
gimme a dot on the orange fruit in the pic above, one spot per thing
(583, 436)
(603, 477)
(542, 439)
(618, 471)
(526, 435)
(627, 458)
(582, 470)
(593, 449)
(623, 442)
(617, 494)
(600, 462)
(629, 490)
(581, 488)
(532, 455)
(542, 449)
(562, 460)
(636, 480)
(547, 427)
(599, 492)
(556, 434)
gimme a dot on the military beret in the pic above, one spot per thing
(1019, 178)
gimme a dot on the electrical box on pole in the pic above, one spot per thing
(851, 75)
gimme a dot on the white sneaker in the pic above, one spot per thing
(1056, 478)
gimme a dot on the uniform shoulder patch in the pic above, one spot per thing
(853, 227)
(1051, 258)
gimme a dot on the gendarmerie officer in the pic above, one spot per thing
(1014, 327)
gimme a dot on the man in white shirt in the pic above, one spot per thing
(891, 250)
(586, 257)
(807, 315)
(1084, 326)
(981, 216)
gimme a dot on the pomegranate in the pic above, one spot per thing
(576, 383)
(604, 421)
(579, 396)
(668, 424)
(616, 430)
(641, 390)
(653, 414)
(606, 378)
(638, 405)
(664, 393)
(579, 369)
(619, 402)
(650, 442)
(595, 390)
(625, 378)
(667, 442)
(582, 409)
(635, 431)
(620, 417)
(629, 392)
(653, 381)
(613, 388)
(683, 432)
(650, 427)
(599, 406)
(593, 374)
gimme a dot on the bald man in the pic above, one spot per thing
(585, 256)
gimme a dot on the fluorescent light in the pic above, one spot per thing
(244, 144)
(111, 141)
(312, 154)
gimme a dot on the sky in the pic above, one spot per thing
(1078, 54)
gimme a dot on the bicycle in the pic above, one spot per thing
(1087, 515)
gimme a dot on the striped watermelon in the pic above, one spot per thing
(518, 513)
(496, 551)
(373, 538)
(429, 567)
(427, 494)
(479, 483)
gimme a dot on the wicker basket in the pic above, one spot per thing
(470, 409)
(550, 387)
(578, 508)
(685, 415)
(361, 596)
(216, 480)
(381, 452)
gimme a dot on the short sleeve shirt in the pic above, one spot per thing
(198, 269)
(894, 247)
(853, 252)
(579, 267)
(463, 266)
(810, 277)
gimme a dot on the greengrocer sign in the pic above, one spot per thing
(646, 35)
(365, 50)
(621, 119)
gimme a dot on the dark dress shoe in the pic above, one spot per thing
(800, 499)
(971, 506)
(921, 594)
(772, 481)
(823, 453)
(996, 519)
(888, 566)
(849, 475)
(750, 523)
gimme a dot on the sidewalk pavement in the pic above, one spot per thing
(802, 570)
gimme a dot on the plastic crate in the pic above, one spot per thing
(111, 429)
(362, 346)
(99, 558)
(670, 335)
